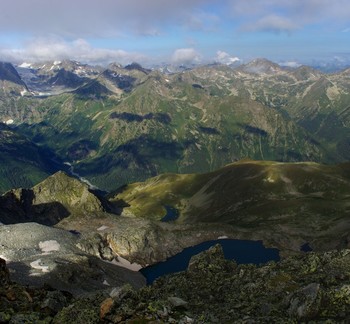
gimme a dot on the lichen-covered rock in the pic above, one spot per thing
(212, 290)
(306, 302)
(23, 304)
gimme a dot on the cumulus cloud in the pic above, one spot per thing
(291, 64)
(185, 56)
(44, 49)
(225, 58)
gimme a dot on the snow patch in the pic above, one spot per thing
(124, 263)
(49, 246)
(38, 266)
(102, 228)
(4, 258)
(269, 179)
(9, 122)
(25, 65)
(222, 237)
(56, 62)
(105, 282)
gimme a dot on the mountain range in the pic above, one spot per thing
(104, 171)
(123, 124)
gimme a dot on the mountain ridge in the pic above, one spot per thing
(126, 124)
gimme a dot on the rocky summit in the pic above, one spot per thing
(312, 287)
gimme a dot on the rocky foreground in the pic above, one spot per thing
(309, 287)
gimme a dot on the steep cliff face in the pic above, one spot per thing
(10, 80)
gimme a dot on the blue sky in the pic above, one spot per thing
(182, 31)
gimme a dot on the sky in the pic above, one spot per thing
(151, 32)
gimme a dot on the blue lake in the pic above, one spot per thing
(242, 251)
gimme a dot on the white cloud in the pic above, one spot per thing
(291, 64)
(47, 49)
(225, 58)
(185, 56)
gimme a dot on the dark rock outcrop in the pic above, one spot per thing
(9, 73)
(4, 273)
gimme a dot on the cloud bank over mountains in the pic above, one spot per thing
(49, 49)
(43, 49)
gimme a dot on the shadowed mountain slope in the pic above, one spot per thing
(22, 163)
(305, 200)
(53, 199)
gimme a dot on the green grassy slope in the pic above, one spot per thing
(246, 193)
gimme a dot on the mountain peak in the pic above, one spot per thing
(53, 199)
(136, 66)
(304, 72)
(260, 66)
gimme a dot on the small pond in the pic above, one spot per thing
(172, 214)
(306, 247)
(242, 251)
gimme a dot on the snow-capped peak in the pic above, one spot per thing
(25, 65)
